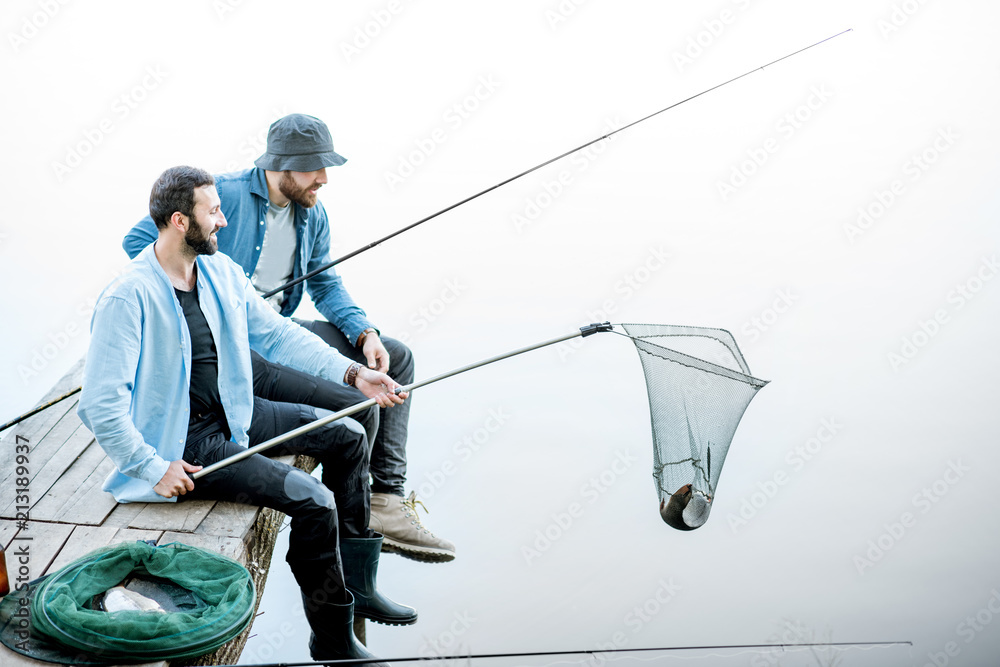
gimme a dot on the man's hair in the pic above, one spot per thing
(174, 191)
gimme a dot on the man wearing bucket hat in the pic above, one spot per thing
(277, 232)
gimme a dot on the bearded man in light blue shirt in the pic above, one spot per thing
(168, 389)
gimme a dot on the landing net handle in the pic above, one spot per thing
(584, 331)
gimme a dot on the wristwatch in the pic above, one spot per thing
(352, 374)
(364, 334)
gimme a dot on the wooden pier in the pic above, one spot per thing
(70, 515)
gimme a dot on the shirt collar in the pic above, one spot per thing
(258, 183)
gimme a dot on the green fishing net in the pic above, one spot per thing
(212, 601)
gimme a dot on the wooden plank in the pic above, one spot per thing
(230, 520)
(77, 496)
(9, 658)
(227, 546)
(123, 514)
(47, 469)
(46, 463)
(82, 541)
(183, 517)
(41, 543)
(34, 427)
(72, 379)
(29, 433)
(85, 539)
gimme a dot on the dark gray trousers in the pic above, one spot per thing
(321, 511)
(389, 425)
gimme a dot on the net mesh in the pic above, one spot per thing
(214, 596)
(699, 386)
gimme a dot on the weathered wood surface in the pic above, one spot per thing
(63, 514)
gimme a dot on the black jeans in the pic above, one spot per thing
(389, 425)
(321, 512)
(287, 385)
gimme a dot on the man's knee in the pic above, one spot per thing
(346, 437)
(308, 492)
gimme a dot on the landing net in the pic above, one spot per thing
(699, 386)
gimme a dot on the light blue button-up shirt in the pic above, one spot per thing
(137, 378)
(244, 203)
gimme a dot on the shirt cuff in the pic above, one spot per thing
(155, 471)
(352, 329)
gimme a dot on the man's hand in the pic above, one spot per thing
(375, 353)
(379, 386)
(175, 481)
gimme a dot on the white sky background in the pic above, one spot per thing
(202, 82)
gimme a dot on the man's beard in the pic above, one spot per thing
(199, 242)
(299, 195)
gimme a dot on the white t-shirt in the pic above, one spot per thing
(277, 253)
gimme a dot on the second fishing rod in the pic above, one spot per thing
(607, 135)
(371, 245)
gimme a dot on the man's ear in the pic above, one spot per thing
(179, 221)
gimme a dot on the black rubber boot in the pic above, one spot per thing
(333, 632)
(360, 558)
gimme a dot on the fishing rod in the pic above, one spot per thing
(323, 421)
(35, 411)
(607, 135)
(591, 652)
(371, 245)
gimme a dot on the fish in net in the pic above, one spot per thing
(699, 386)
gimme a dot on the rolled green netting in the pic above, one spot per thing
(221, 589)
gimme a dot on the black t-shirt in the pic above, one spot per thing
(207, 413)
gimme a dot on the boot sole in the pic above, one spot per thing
(385, 621)
(417, 553)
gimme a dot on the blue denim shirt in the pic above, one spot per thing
(137, 377)
(244, 203)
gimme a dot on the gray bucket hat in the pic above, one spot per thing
(299, 143)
